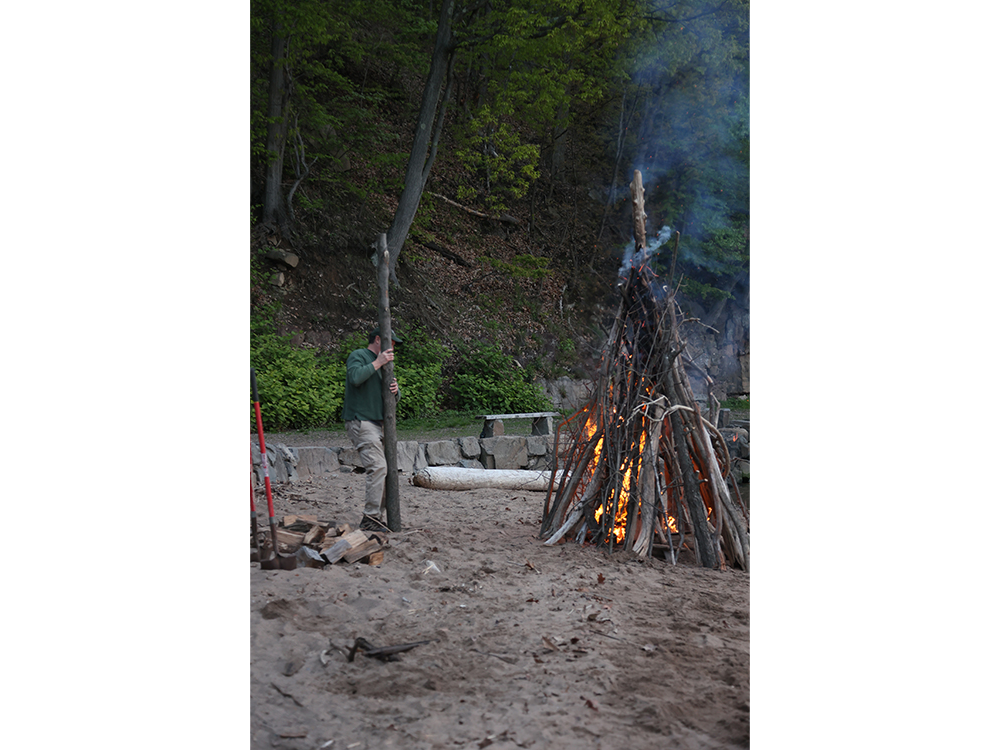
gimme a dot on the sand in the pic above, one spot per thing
(532, 646)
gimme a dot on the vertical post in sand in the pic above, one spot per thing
(388, 398)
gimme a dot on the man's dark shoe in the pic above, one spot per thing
(370, 523)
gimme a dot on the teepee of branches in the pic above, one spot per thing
(643, 465)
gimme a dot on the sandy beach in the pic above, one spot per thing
(528, 645)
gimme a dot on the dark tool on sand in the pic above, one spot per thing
(385, 653)
(277, 562)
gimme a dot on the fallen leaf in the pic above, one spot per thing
(590, 703)
(600, 578)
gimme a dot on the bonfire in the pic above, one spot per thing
(644, 469)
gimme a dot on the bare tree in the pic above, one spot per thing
(429, 125)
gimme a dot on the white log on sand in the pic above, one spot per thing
(458, 478)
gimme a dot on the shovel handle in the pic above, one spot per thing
(263, 450)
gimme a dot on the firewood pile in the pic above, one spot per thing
(317, 543)
(644, 469)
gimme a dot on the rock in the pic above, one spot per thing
(276, 468)
(442, 453)
(469, 447)
(406, 454)
(539, 445)
(420, 462)
(504, 452)
(567, 393)
(289, 259)
(316, 460)
(351, 457)
(742, 468)
(737, 441)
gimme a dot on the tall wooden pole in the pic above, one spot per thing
(388, 397)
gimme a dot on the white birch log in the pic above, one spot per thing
(458, 478)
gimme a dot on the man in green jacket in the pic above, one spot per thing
(363, 419)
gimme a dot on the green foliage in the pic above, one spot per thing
(503, 165)
(538, 58)
(523, 266)
(328, 109)
(418, 369)
(486, 380)
(296, 387)
(736, 402)
(301, 389)
(566, 353)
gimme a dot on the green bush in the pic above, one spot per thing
(300, 389)
(736, 402)
(297, 388)
(419, 372)
(486, 380)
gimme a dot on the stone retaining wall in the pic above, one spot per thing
(289, 464)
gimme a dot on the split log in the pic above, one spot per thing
(315, 535)
(289, 538)
(362, 550)
(344, 544)
(458, 478)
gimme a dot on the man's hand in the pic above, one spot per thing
(394, 386)
(384, 358)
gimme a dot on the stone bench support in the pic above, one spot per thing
(541, 422)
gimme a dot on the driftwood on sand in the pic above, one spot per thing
(458, 478)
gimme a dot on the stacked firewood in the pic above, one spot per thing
(317, 543)
(644, 468)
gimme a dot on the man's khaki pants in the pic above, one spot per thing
(367, 439)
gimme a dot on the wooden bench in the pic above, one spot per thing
(541, 422)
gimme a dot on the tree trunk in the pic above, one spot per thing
(427, 129)
(388, 397)
(274, 207)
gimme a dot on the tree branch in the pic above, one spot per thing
(506, 218)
